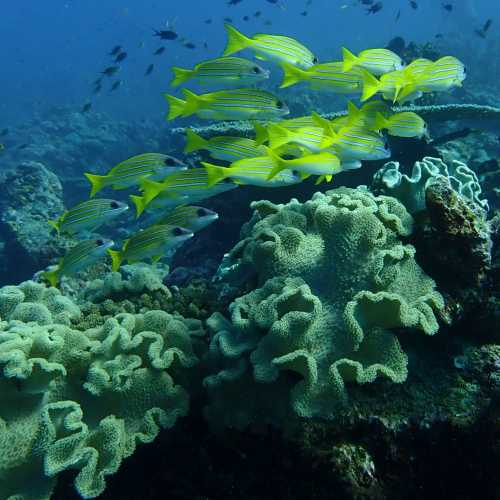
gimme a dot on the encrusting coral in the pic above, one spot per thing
(333, 282)
(83, 400)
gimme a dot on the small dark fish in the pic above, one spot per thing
(397, 45)
(376, 7)
(150, 69)
(166, 34)
(208, 21)
(115, 85)
(438, 35)
(257, 13)
(115, 50)
(447, 6)
(268, 22)
(246, 18)
(228, 19)
(190, 45)
(121, 57)
(110, 70)
(22, 146)
(4, 132)
(234, 2)
(367, 2)
(487, 25)
(304, 13)
(159, 51)
(86, 107)
(97, 89)
(414, 5)
(98, 81)
(398, 15)
(273, 1)
(205, 45)
(482, 31)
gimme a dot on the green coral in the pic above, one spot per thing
(335, 282)
(83, 400)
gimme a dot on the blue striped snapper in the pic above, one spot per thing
(130, 172)
(189, 217)
(150, 243)
(237, 104)
(222, 71)
(83, 255)
(376, 61)
(311, 138)
(88, 216)
(270, 48)
(223, 147)
(328, 77)
(404, 124)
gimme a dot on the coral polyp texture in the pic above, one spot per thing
(82, 400)
(334, 287)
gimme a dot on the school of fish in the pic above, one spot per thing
(283, 151)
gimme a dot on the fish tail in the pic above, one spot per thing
(261, 134)
(403, 93)
(370, 85)
(215, 173)
(97, 182)
(181, 75)
(56, 225)
(116, 259)
(194, 141)
(380, 122)
(349, 60)
(139, 203)
(352, 112)
(193, 102)
(279, 163)
(325, 124)
(150, 190)
(51, 276)
(277, 136)
(236, 41)
(175, 106)
(292, 75)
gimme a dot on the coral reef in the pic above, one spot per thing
(83, 400)
(31, 195)
(332, 283)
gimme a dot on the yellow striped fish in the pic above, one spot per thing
(237, 104)
(328, 77)
(442, 75)
(150, 243)
(189, 217)
(252, 172)
(83, 255)
(261, 134)
(311, 138)
(376, 61)
(223, 71)
(405, 124)
(270, 48)
(223, 147)
(130, 172)
(88, 216)
(390, 86)
(188, 186)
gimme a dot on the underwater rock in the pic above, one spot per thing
(334, 282)
(83, 400)
(31, 196)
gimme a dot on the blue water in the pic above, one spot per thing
(52, 51)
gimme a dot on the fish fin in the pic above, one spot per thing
(139, 203)
(278, 135)
(329, 177)
(319, 180)
(194, 141)
(349, 60)
(261, 134)
(326, 141)
(352, 112)
(403, 93)
(193, 102)
(292, 75)
(215, 173)
(325, 124)
(279, 163)
(151, 190)
(370, 85)
(156, 258)
(180, 76)
(56, 224)
(176, 106)
(116, 259)
(97, 182)
(51, 276)
(380, 122)
(236, 41)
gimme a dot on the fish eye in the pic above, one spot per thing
(201, 212)
(99, 242)
(178, 231)
(170, 162)
(228, 180)
(114, 204)
(465, 70)
(279, 104)
(315, 60)
(295, 173)
(256, 69)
